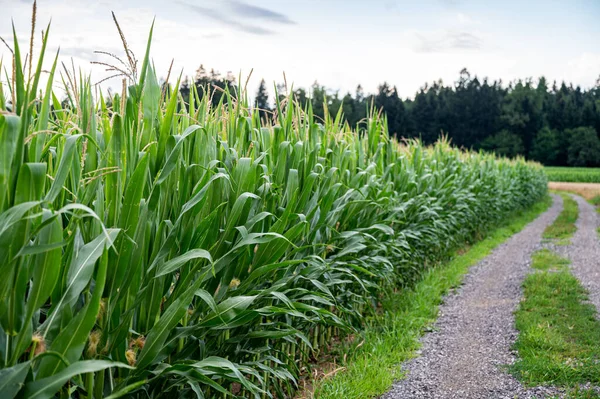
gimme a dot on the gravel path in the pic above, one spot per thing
(584, 252)
(463, 358)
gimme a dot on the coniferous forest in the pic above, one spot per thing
(550, 122)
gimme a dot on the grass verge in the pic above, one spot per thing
(595, 201)
(371, 362)
(563, 227)
(558, 329)
(579, 393)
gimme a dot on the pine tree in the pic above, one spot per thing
(262, 100)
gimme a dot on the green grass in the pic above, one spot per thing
(373, 361)
(595, 201)
(546, 260)
(563, 227)
(572, 175)
(578, 393)
(558, 331)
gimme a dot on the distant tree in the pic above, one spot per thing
(522, 112)
(546, 146)
(262, 100)
(563, 112)
(349, 108)
(504, 143)
(387, 99)
(584, 147)
(334, 103)
(281, 93)
(212, 84)
(361, 104)
(423, 114)
(301, 96)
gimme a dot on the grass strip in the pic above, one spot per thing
(595, 201)
(579, 393)
(371, 363)
(558, 330)
(563, 227)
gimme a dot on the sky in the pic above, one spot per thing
(339, 43)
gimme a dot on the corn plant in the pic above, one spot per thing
(159, 248)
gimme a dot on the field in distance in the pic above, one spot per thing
(572, 175)
(589, 191)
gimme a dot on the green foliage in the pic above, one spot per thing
(558, 328)
(505, 144)
(546, 146)
(584, 147)
(563, 228)
(582, 393)
(545, 260)
(158, 247)
(578, 393)
(574, 175)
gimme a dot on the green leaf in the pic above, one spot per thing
(128, 222)
(47, 387)
(9, 133)
(175, 263)
(71, 340)
(161, 330)
(12, 379)
(79, 274)
(174, 155)
(66, 161)
(146, 60)
(227, 311)
(42, 123)
(30, 184)
(127, 389)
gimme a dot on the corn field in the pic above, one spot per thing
(572, 175)
(153, 248)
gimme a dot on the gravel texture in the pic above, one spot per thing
(471, 341)
(584, 251)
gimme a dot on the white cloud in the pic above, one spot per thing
(464, 19)
(447, 41)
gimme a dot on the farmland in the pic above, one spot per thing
(572, 175)
(163, 248)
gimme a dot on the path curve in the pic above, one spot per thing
(473, 335)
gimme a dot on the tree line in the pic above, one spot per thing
(553, 124)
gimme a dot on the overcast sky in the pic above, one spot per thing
(338, 43)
